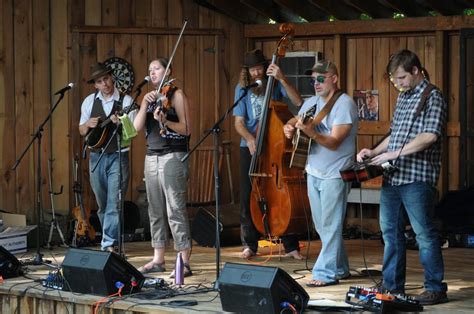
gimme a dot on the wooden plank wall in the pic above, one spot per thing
(45, 44)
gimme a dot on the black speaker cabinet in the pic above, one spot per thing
(10, 266)
(96, 272)
(247, 288)
(203, 229)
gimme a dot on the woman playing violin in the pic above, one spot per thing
(165, 116)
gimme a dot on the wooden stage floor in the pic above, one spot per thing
(24, 295)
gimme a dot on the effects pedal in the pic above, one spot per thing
(55, 280)
(376, 300)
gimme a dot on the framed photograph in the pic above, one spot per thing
(367, 102)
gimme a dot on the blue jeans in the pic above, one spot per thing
(105, 184)
(328, 199)
(418, 200)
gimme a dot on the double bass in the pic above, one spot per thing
(279, 203)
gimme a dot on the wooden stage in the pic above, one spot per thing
(27, 295)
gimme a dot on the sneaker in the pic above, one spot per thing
(431, 297)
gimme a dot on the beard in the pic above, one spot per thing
(260, 90)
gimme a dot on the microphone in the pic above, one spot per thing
(64, 89)
(145, 81)
(257, 83)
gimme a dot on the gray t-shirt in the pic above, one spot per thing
(322, 162)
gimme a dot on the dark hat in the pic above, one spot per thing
(322, 66)
(253, 58)
(98, 70)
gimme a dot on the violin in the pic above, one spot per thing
(164, 102)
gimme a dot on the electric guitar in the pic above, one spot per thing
(84, 233)
(301, 142)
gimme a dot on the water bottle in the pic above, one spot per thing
(179, 270)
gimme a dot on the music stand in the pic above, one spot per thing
(38, 259)
(215, 130)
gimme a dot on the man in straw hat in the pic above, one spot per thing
(332, 147)
(247, 114)
(104, 103)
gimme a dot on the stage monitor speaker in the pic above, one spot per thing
(203, 229)
(10, 266)
(258, 289)
(96, 272)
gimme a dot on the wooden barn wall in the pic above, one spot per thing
(362, 51)
(45, 44)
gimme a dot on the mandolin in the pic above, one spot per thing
(96, 137)
(84, 233)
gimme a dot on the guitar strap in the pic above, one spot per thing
(327, 108)
(424, 96)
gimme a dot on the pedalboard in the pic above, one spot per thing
(377, 300)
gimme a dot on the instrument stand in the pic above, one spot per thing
(215, 130)
(38, 258)
(54, 223)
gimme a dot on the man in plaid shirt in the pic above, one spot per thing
(413, 150)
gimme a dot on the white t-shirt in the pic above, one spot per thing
(322, 162)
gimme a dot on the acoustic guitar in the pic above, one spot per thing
(96, 137)
(301, 142)
(84, 233)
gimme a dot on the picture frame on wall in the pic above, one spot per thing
(367, 102)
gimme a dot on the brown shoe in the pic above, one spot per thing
(431, 297)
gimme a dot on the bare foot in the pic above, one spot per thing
(296, 255)
(247, 253)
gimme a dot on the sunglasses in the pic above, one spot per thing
(320, 79)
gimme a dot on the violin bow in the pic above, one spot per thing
(172, 55)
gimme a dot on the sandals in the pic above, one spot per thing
(319, 283)
(186, 272)
(152, 268)
(247, 253)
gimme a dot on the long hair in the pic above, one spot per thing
(245, 80)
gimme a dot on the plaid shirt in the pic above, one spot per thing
(422, 166)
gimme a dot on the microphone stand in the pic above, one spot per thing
(38, 259)
(215, 130)
(118, 135)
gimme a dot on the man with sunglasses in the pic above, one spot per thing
(332, 147)
(414, 148)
